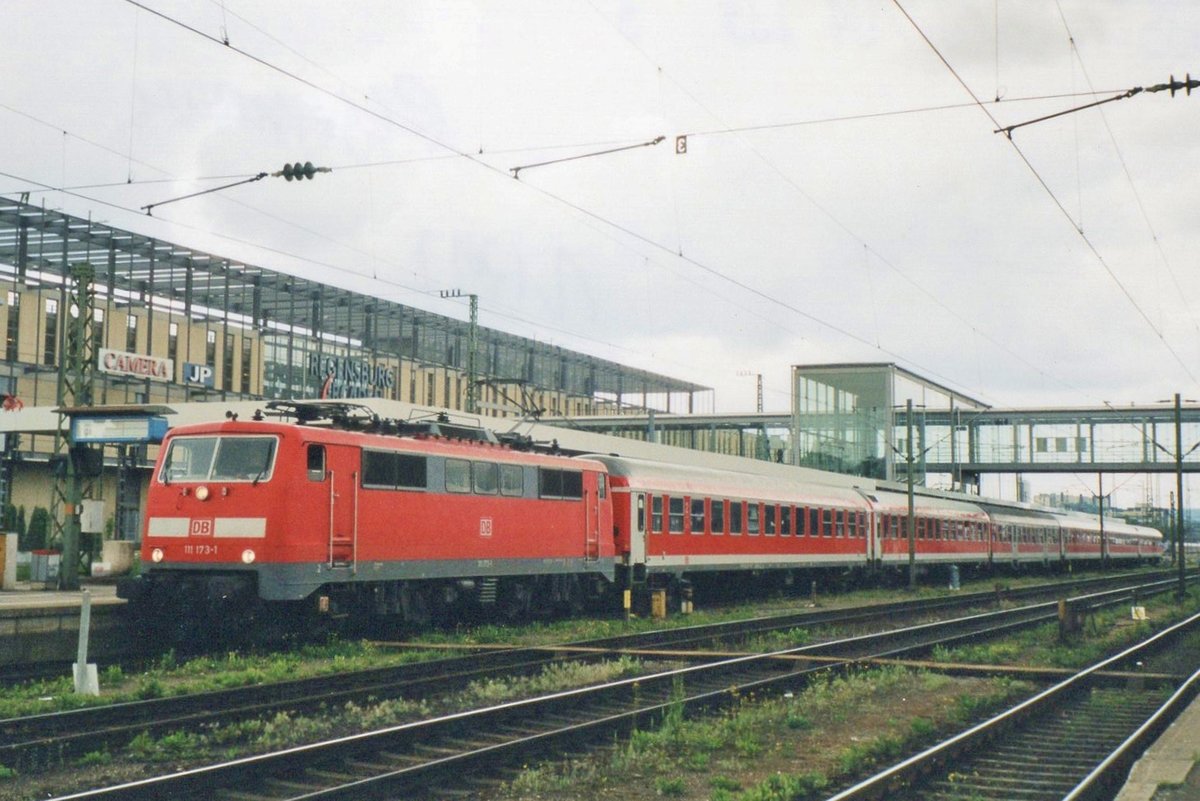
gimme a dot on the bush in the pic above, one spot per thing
(39, 530)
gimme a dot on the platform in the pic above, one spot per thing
(1174, 759)
(39, 625)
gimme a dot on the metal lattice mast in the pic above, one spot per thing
(472, 347)
(76, 377)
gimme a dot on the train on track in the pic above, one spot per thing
(326, 508)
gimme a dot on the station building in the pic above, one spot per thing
(171, 324)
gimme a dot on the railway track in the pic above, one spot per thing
(442, 751)
(1073, 741)
(38, 742)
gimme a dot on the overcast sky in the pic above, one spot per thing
(842, 197)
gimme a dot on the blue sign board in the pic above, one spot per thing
(123, 428)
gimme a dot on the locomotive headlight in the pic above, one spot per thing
(157, 555)
(202, 493)
(248, 556)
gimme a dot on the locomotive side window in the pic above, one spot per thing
(602, 484)
(697, 516)
(675, 515)
(512, 479)
(316, 462)
(656, 514)
(567, 484)
(718, 517)
(485, 477)
(458, 475)
(378, 469)
(388, 470)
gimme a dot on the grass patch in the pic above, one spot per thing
(169, 676)
(775, 749)
(1105, 632)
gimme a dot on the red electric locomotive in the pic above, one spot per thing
(366, 516)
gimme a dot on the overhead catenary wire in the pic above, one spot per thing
(837, 221)
(546, 193)
(1053, 197)
(1137, 196)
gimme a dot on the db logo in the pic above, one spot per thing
(201, 527)
(485, 526)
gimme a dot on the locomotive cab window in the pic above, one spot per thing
(316, 462)
(229, 458)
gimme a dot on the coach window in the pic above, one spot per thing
(752, 517)
(656, 514)
(785, 521)
(826, 522)
(697, 520)
(675, 515)
(316, 462)
(735, 517)
(718, 517)
(641, 512)
(485, 477)
(512, 480)
(458, 475)
(769, 512)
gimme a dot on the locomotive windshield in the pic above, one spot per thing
(219, 459)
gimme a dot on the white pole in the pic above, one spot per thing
(87, 680)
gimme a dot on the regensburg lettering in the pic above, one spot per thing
(350, 378)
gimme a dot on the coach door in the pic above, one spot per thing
(342, 477)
